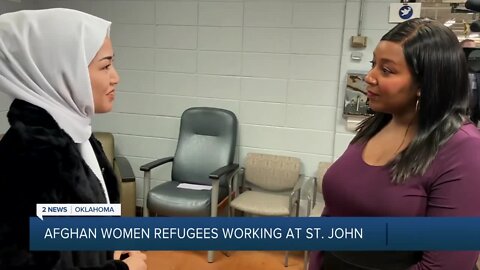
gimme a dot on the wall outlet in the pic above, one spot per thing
(359, 42)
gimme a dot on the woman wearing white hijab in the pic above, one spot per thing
(57, 66)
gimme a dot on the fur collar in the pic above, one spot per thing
(40, 144)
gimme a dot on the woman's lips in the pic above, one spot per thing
(371, 94)
(111, 94)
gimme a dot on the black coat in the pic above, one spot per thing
(40, 163)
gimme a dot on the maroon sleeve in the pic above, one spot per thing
(454, 192)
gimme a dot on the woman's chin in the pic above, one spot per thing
(104, 109)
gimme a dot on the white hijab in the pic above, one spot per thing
(44, 58)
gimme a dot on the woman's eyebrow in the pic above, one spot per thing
(106, 58)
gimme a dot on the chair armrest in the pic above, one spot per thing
(223, 170)
(298, 186)
(294, 197)
(230, 171)
(241, 182)
(311, 193)
(125, 169)
(149, 166)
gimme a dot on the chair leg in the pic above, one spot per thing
(211, 256)
(146, 189)
(226, 253)
(213, 212)
(305, 260)
(286, 259)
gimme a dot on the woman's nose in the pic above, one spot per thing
(370, 79)
(115, 78)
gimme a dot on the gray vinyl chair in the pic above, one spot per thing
(270, 186)
(204, 156)
(315, 202)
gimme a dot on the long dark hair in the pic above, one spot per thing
(438, 65)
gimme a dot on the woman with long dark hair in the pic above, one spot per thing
(418, 155)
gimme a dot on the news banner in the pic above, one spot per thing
(100, 227)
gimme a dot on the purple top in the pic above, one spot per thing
(450, 187)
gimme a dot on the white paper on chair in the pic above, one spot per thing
(194, 186)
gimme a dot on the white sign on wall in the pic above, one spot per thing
(403, 12)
